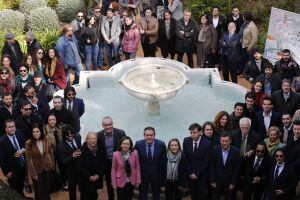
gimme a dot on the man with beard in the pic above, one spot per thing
(287, 67)
(255, 66)
(149, 32)
(270, 80)
(63, 115)
(98, 17)
(236, 115)
(9, 109)
(67, 47)
(32, 43)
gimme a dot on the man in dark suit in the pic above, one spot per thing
(286, 128)
(12, 158)
(266, 118)
(27, 118)
(151, 152)
(250, 108)
(69, 152)
(12, 48)
(285, 100)
(9, 109)
(74, 104)
(256, 173)
(224, 168)
(293, 148)
(63, 116)
(108, 140)
(197, 150)
(32, 43)
(282, 180)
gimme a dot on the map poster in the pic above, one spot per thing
(283, 33)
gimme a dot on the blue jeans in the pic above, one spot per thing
(101, 54)
(112, 54)
(91, 54)
(76, 70)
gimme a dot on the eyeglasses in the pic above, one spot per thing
(26, 109)
(259, 151)
(97, 11)
(22, 70)
(80, 16)
(4, 73)
(278, 156)
(71, 94)
(40, 53)
(70, 30)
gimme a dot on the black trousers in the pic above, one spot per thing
(42, 186)
(189, 54)
(149, 49)
(89, 195)
(227, 67)
(172, 191)
(144, 188)
(168, 49)
(17, 182)
(72, 184)
(110, 189)
(223, 191)
(198, 189)
(253, 190)
(126, 192)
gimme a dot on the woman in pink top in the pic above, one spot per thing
(125, 170)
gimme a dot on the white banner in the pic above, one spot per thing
(283, 33)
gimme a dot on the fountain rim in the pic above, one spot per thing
(184, 77)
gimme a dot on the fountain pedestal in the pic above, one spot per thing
(153, 107)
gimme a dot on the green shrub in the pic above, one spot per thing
(67, 9)
(11, 20)
(52, 3)
(47, 38)
(8, 194)
(12, 4)
(28, 5)
(41, 19)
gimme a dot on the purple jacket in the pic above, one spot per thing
(131, 39)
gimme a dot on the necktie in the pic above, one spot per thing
(230, 35)
(276, 172)
(243, 146)
(69, 105)
(147, 25)
(256, 165)
(149, 153)
(22, 160)
(73, 146)
(195, 147)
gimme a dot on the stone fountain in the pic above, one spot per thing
(154, 83)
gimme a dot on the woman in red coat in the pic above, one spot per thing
(54, 71)
(131, 38)
(125, 170)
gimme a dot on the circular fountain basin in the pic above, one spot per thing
(153, 82)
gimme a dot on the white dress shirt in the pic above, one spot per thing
(267, 120)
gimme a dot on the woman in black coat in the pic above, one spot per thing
(231, 53)
(174, 176)
(167, 35)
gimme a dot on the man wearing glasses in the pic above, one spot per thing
(256, 172)
(68, 49)
(75, 105)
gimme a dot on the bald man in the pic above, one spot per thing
(108, 141)
(90, 167)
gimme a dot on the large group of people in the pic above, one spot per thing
(253, 151)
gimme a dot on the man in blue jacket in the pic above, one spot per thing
(67, 47)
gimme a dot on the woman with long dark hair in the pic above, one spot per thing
(7, 83)
(54, 71)
(206, 41)
(40, 162)
(90, 36)
(258, 93)
(125, 170)
(174, 171)
(29, 62)
(167, 35)
(209, 133)
(38, 59)
(6, 63)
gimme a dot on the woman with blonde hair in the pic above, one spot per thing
(273, 141)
